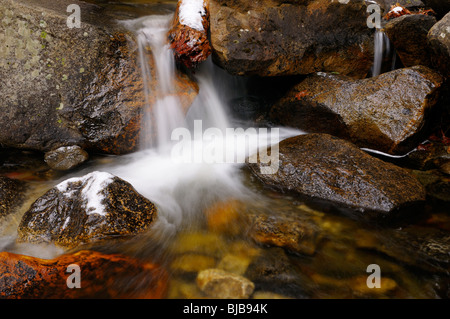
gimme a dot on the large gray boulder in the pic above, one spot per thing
(64, 86)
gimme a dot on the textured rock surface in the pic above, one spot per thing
(325, 167)
(63, 86)
(83, 210)
(101, 276)
(388, 112)
(271, 38)
(290, 232)
(408, 34)
(66, 157)
(11, 193)
(439, 41)
(190, 45)
(221, 284)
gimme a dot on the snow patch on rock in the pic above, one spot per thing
(191, 13)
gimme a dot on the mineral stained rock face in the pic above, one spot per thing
(325, 167)
(188, 35)
(94, 207)
(387, 113)
(11, 192)
(71, 86)
(270, 38)
(101, 276)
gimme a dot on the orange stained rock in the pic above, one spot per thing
(225, 216)
(112, 276)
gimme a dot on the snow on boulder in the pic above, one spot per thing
(87, 209)
(188, 35)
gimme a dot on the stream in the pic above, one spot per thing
(189, 236)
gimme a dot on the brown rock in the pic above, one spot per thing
(190, 46)
(101, 276)
(439, 41)
(325, 167)
(226, 217)
(270, 38)
(290, 232)
(220, 284)
(95, 207)
(408, 34)
(11, 192)
(66, 157)
(388, 113)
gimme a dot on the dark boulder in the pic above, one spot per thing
(328, 168)
(97, 206)
(72, 86)
(270, 38)
(388, 113)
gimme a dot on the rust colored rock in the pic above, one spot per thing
(101, 276)
(388, 113)
(190, 45)
(328, 168)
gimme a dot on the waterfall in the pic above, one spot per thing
(183, 189)
(383, 52)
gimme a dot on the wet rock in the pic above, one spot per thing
(191, 262)
(357, 285)
(65, 86)
(270, 38)
(273, 272)
(204, 243)
(66, 157)
(328, 168)
(97, 206)
(235, 263)
(226, 217)
(439, 42)
(220, 284)
(293, 233)
(436, 183)
(190, 42)
(388, 113)
(419, 247)
(11, 194)
(180, 289)
(101, 276)
(427, 157)
(408, 34)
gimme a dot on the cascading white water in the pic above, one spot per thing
(382, 51)
(182, 189)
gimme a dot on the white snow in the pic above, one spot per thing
(191, 12)
(397, 9)
(93, 184)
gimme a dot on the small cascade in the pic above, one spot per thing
(384, 54)
(183, 189)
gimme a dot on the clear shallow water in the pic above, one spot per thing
(183, 240)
